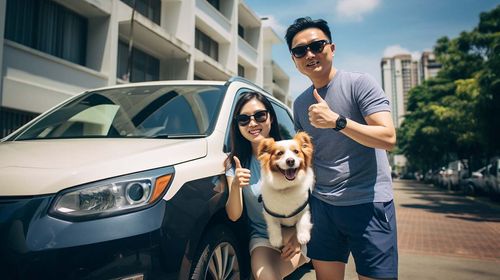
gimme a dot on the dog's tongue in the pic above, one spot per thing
(290, 173)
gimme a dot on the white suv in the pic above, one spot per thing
(125, 182)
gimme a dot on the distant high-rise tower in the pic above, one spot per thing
(399, 75)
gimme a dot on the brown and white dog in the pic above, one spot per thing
(287, 181)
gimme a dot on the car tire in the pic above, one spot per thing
(469, 189)
(217, 256)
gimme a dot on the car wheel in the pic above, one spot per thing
(217, 257)
(469, 189)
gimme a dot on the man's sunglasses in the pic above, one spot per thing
(259, 116)
(315, 47)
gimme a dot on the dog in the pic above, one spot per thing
(287, 181)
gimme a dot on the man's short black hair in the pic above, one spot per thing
(304, 23)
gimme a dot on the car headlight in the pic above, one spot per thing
(113, 196)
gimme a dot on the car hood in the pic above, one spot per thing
(48, 166)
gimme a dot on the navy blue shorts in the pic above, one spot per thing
(368, 231)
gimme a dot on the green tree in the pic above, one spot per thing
(487, 40)
(457, 114)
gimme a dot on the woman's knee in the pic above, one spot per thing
(263, 264)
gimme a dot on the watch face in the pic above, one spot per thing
(340, 123)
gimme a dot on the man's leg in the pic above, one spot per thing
(328, 246)
(373, 239)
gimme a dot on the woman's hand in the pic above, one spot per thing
(291, 248)
(241, 175)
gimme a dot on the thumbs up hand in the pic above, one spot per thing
(318, 97)
(241, 175)
(320, 115)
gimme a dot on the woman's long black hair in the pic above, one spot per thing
(240, 146)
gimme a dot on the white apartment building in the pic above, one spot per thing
(399, 75)
(53, 49)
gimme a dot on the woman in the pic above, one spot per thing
(253, 120)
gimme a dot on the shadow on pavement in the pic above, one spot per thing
(454, 204)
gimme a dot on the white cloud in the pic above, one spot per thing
(394, 50)
(355, 9)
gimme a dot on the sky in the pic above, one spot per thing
(364, 31)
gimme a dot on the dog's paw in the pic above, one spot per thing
(277, 242)
(303, 237)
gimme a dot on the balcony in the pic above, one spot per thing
(247, 52)
(152, 38)
(213, 18)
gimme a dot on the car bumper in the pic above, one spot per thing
(34, 245)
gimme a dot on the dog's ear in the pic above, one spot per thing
(264, 149)
(304, 139)
(305, 144)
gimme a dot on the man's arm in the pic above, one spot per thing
(378, 133)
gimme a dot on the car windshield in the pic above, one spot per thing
(159, 111)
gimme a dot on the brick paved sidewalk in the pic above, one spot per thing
(441, 235)
(434, 222)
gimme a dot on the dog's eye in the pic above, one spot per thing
(296, 151)
(279, 153)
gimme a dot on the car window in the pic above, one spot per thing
(491, 169)
(134, 111)
(285, 122)
(494, 168)
(484, 170)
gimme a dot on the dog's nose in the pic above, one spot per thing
(290, 162)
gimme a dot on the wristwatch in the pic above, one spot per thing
(340, 123)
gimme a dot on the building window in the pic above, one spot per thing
(241, 70)
(11, 120)
(48, 27)
(241, 31)
(148, 8)
(215, 3)
(144, 67)
(206, 44)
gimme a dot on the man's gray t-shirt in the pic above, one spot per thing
(347, 173)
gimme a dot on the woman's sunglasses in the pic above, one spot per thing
(259, 116)
(315, 47)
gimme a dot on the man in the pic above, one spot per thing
(348, 116)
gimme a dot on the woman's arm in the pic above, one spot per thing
(234, 204)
